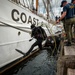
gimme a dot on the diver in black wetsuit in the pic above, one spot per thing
(39, 34)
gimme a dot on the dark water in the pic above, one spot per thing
(41, 63)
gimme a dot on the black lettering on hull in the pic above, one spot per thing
(17, 16)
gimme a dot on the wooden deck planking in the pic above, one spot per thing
(66, 61)
(70, 71)
(69, 50)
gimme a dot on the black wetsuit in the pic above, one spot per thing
(38, 35)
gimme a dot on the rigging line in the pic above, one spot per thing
(24, 3)
(53, 40)
(46, 27)
(15, 27)
(54, 45)
(49, 30)
(27, 3)
(48, 8)
(51, 8)
(44, 5)
(55, 48)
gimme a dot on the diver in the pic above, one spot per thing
(39, 34)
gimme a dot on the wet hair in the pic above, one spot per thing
(32, 26)
(72, 1)
(62, 3)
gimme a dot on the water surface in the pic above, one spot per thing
(41, 63)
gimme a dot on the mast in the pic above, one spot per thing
(47, 9)
(32, 4)
(36, 6)
(46, 4)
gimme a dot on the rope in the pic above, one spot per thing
(55, 48)
(30, 33)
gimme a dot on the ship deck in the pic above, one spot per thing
(66, 60)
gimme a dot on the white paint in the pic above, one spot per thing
(9, 38)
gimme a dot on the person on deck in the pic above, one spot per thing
(73, 39)
(63, 3)
(68, 14)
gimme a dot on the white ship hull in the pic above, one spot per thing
(13, 20)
